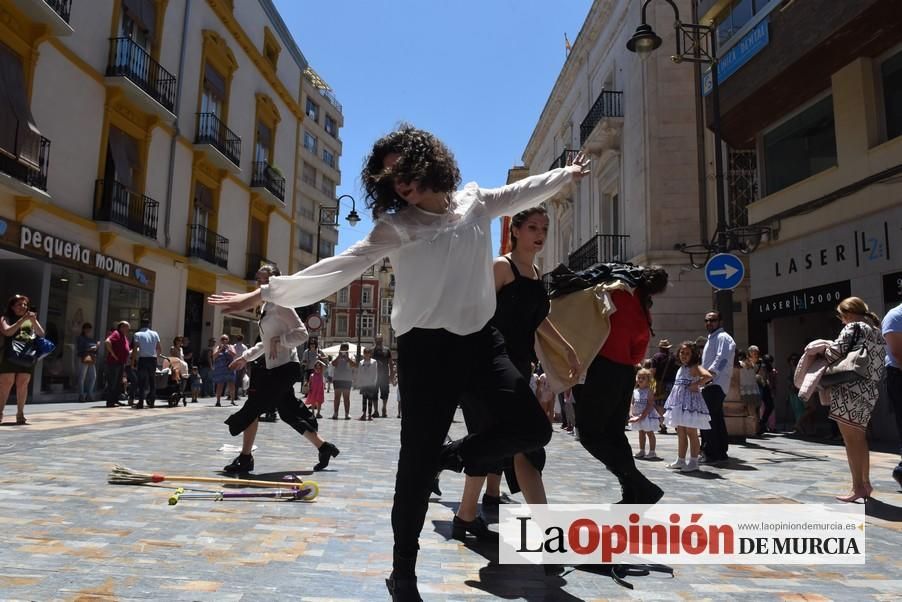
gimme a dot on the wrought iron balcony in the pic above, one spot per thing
(608, 104)
(61, 7)
(267, 177)
(28, 159)
(208, 245)
(601, 248)
(254, 262)
(565, 159)
(128, 59)
(116, 203)
(211, 130)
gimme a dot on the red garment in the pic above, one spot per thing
(629, 336)
(120, 347)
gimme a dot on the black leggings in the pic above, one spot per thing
(436, 368)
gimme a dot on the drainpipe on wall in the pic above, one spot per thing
(178, 99)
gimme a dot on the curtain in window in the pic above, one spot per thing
(126, 159)
(19, 135)
(143, 13)
(215, 83)
(264, 142)
(203, 198)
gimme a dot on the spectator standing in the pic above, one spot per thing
(367, 381)
(665, 366)
(147, 343)
(239, 348)
(386, 372)
(344, 377)
(19, 322)
(223, 377)
(892, 334)
(86, 347)
(717, 359)
(206, 368)
(118, 355)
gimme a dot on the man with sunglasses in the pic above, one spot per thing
(717, 358)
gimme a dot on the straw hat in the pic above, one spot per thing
(664, 344)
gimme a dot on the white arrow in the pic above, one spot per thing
(727, 271)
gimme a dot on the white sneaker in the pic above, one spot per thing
(651, 455)
(677, 464)
(691, 466)
(640, 455)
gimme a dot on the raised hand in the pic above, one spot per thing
(579, 167)
(233, 302)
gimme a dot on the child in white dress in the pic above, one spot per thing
(685, 408)
(643, 415)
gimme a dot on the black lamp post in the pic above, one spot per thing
(328, 216)
(696, 43)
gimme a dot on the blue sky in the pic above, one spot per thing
(476, 73)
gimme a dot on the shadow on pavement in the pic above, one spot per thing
(877, 509)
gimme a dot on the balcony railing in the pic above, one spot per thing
(208, 245)
(254, 262)
(608, 104)
(211, 130)
(601, 248)
(28, 159)
(565, 159)
(61, 7)
(128, 59)
(265, 176)
(116, 203)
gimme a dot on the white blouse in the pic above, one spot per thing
(442, 262)
(281, 322)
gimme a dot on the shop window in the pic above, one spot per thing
(128, 303)
(891, 72)
(802, 146)
(341, 325)
(71, 303)
(308, 174)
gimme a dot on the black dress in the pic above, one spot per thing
(521, 306)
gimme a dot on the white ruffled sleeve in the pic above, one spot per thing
(526, 193)
(323, 278)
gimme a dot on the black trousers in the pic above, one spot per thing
(767, 400)
(113, 383)
(715, 440)
(271, 390)
(436, 368)
(147, 383)
(602, 409)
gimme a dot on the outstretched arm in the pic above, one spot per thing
(533, 190)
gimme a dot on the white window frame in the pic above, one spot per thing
(366, 323)
(366, 295)
(343, 296)
(386, 304)
(341, 325)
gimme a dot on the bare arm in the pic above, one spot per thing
(894, 346)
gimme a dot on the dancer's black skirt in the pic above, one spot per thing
(273, 390)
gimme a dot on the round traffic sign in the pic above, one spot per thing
(724, 271)
(314, 322)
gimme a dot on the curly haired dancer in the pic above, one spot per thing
(434, 234)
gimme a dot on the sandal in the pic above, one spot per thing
(20, 419)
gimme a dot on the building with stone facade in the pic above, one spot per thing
(637, 121)
(819, 107)
(148, 158)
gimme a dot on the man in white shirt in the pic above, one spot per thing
(717, 358)
(147, 342)
(240, 348)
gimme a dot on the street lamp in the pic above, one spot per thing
(695, 43)
(328, 216)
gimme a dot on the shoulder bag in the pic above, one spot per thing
(853, 367)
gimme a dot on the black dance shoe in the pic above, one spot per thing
(403, 589)
(327, 451)
(435, 486)
(449, 457)
(496, 500)
(477, 527)
(243, 463)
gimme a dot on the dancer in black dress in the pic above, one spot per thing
(521, 310)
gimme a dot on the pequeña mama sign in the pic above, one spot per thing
(25, 239)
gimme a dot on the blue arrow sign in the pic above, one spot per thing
(724, 271)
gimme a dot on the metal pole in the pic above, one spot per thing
(723, 299)
(359, 315)
(319, 229)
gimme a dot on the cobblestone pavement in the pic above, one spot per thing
(68, 535)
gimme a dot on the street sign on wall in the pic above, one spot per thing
(724, 271)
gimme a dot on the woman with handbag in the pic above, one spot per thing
(86, 347)
(17, 325)
(852, 402)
